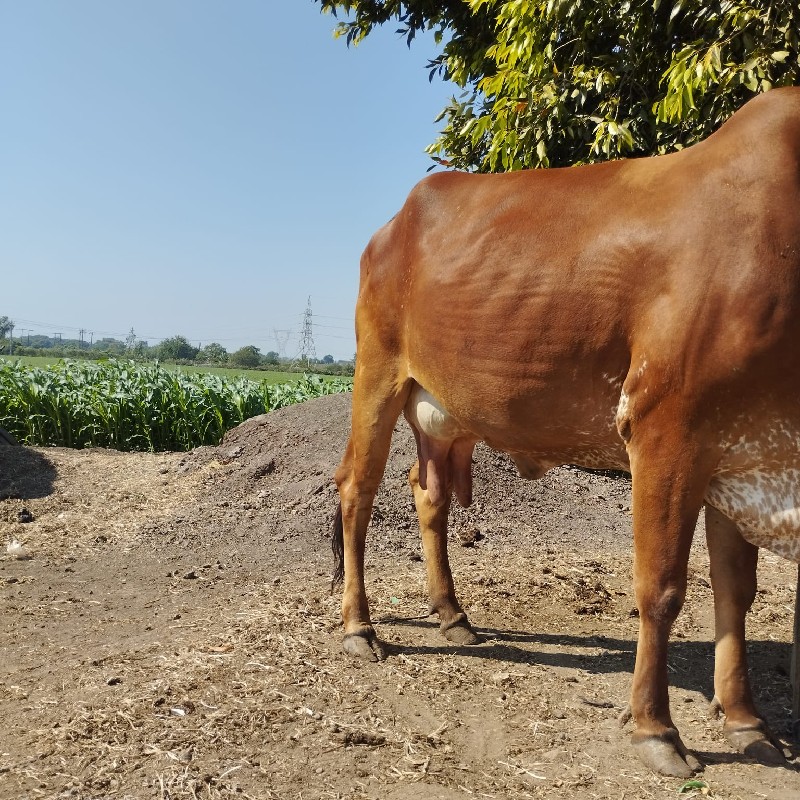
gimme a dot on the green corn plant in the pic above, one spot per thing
(127, 405)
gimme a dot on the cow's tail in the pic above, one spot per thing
(337, 545)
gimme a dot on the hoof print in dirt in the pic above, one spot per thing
(591, 597)
(469, 537)
(264, 466)
(232, 453)
(363, 738)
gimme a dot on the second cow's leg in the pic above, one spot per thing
(733, 578)
(453, 622)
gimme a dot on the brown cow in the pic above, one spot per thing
(639, 314)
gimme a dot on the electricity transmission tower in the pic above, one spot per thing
(307, 349)
(281, 339)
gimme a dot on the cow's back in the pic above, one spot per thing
(518, 274)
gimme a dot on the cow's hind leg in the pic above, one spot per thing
(377, 403)
(453, 622)
(733, 578)
(669, 478)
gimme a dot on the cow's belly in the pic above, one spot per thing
(765, 505)
(758, 484)
(592, 441)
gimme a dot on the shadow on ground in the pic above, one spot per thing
(687, 659)
(25, 474)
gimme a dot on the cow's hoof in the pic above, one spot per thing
(757, 743)
(364, 645)
(666, 754)
(462, 635)
(459, 631)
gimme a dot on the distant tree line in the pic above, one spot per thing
(175, 350)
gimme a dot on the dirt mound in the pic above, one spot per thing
(172, 632)
(271, 481)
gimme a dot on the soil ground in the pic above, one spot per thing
(172, 633)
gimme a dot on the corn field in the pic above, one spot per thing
(126, 405)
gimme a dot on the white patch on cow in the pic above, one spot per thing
(764, 504)
(622, 407)
(608, 457)
(430, 417)
(757, 486)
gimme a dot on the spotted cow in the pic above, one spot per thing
(640, 314)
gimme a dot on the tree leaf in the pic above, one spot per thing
(542, 72)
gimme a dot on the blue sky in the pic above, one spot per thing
(199, 168)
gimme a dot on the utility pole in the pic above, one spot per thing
(307, 349)
(80, 338)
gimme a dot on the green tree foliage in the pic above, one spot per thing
(558, 82)
(130, 341)
(248, 356)
(106, 345)
(176, 348)
(213, 353)
(6, 328)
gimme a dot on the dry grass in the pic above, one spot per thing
(255, 701)
(101, 498)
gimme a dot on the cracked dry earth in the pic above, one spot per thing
(172, 633)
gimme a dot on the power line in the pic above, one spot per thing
(305, 337)
(44, 326)
(334, 327)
